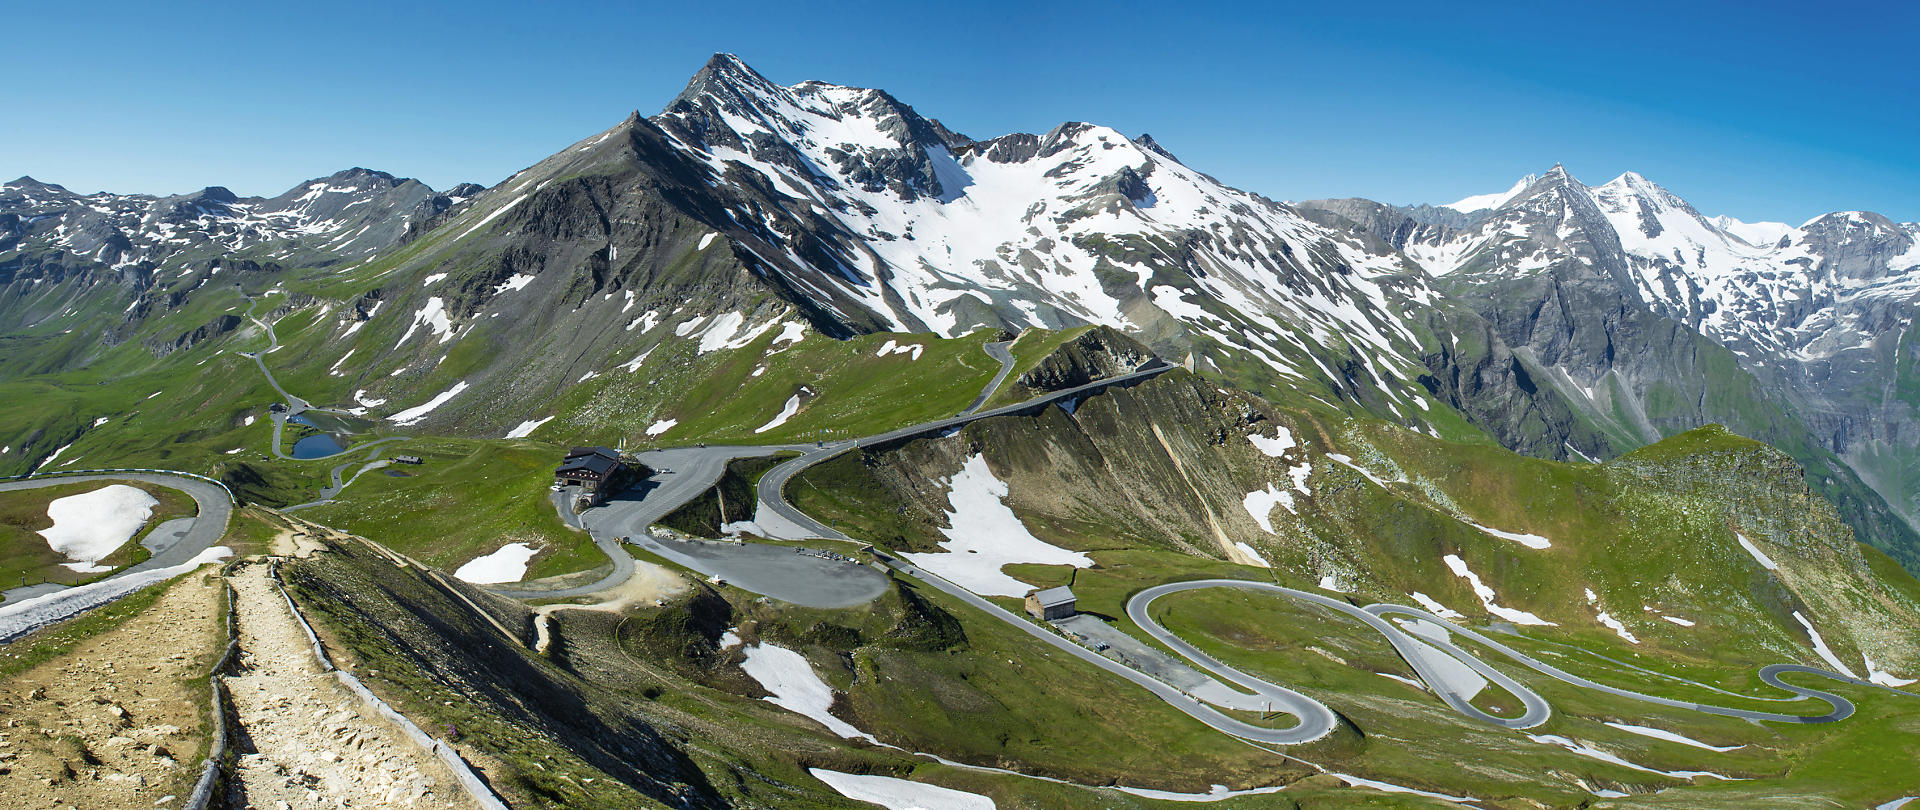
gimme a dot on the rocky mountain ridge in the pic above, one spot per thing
(1651, 317)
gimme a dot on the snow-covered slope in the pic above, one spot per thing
(1482, 202)
(1655, 318)
(1761, 289)
(864, 201)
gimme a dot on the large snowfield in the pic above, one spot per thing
(91, 525)
(900, 794)
(985, 534)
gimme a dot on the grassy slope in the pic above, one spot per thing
(1633, 544)
(467, 499)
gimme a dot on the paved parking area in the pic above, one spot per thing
(775, 571)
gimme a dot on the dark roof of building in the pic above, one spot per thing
(595, 450)
(592, 464)
(1053, 596)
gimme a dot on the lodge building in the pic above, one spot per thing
(592, 474)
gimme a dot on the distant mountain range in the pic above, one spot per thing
(1557, 319)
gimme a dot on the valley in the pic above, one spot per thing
(788, 448)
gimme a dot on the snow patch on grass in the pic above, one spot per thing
(433, 316)
(56, 454)
(91, 525)
(519, 281)
(1377, 480)
(661, 426)
(1260, 502)
(1252, 553)
(1758, 556)
(1486, 594)
(889, 348)
(900, 794)
(1275, 446)
(1434, 607)
(415, 414)
(525, 429)
(786, 412)
(506, 564)
(1532, 541)
(725, 332)
(790, 332)
(1617, 628)
(1663, 734)
(795, 687)
(1875, 675)
(985, 535)
(1591, 752)
(634, 365)
(1820, 648)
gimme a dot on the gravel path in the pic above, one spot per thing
(115, 722)
(307, 742)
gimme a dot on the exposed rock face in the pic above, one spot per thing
(1175, 446)
(1650, 319)
(1097, 354)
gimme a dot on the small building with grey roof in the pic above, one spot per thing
(1050, 604)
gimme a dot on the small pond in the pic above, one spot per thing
(319, 445)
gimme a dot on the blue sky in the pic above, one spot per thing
(1759, 110)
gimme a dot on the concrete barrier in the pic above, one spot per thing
(217, 769)
(463, 773)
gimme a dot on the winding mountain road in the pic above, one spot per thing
(20, 616)
(999, 350)
(682, 473)
(295, 407)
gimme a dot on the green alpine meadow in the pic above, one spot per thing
(785, 447)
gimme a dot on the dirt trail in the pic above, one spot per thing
(116, 722)
(308, 742)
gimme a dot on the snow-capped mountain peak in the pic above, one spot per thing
(1482, 202)
(877, 208)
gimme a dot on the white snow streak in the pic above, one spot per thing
(900, 794)
(415, 414)
(1486, 595)
(795, 687)
(525, 429)
(786, 412)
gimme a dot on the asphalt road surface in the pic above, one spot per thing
(680, 475)
(367, 463)
(786, 573)
(1314, 718)
(998, 350)
(1416, 652)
